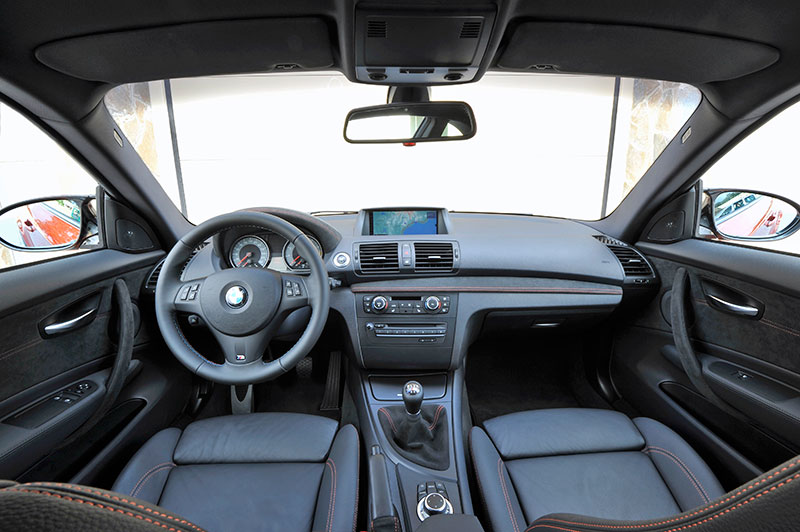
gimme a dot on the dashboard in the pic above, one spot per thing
(415, 286)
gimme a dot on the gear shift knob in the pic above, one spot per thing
(412, 397)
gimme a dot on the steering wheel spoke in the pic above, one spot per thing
(187, 297)
(294, 293)
(240, 350)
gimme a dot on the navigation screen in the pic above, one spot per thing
(404, 223)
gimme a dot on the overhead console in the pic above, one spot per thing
(396, 46)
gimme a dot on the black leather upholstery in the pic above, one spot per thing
(52, 507)
(258, 472)
(587, 462)
(768, 502)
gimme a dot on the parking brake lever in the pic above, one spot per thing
(382, 513)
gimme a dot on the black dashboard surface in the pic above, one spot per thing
(489, 245)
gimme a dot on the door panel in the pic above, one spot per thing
(748, 351)
(27, 355)
(50, 383)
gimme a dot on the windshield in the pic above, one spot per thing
(547, 144)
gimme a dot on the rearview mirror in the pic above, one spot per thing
(410, 123)
(49, 224)
(752, 215)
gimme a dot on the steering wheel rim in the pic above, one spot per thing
(244, 329)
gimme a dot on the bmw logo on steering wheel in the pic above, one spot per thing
(236, 296)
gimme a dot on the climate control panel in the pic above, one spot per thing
(392, 304)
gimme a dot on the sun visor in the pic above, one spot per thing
(632, 51)
(196, 49)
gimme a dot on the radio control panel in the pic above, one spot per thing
(420, 305)
(406, 330)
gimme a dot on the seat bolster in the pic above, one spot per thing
(256, 438)
(146, 473)
(560, 431)
(690, 480)
(499, 497)
(337, 502)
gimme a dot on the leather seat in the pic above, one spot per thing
(256, 472)
(596, 463)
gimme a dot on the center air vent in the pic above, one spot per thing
(433, 256)
(633, 263)
(470, 30)
(376, 29)
(379, 258)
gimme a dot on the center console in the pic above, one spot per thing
(406, 330)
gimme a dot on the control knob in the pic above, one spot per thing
(435, 504)
(433, 303)
(379, 303)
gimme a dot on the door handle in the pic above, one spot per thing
(743, 310)
(74, 323)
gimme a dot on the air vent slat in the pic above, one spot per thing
(376, 29)
(379, 258)
(470, 30)
(152, 279)
(633, 263)
(433, 256)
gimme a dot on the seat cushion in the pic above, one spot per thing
(596, 463)
(260, 472)
(561, 431)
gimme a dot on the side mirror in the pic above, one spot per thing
(49, 224)
(410, 123)
(750, 215)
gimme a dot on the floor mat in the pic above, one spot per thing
(505, 376)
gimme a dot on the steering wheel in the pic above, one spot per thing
(243, 307)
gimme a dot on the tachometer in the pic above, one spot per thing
(250, 251)
(293, 259)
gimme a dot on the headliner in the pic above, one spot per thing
(27, 25)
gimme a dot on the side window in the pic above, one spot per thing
(755, 189)
(33, 166)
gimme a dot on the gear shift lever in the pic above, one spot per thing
(413, 395)
(417, 432)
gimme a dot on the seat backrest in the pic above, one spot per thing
(54, 507)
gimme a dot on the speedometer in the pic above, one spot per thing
(292, 257)
(249, 251)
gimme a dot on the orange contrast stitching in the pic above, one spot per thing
(505, 494)
(97, 505)
(436, 417)
(695, 513)
(683, 467)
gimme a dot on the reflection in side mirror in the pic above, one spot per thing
(42, 225)
(750, 215)
(410, 123)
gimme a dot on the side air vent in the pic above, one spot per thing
(633, 263)
(433, 256)
(376, 29)
(379, 258)
(608, 241)
(152, 279)
(470, 30)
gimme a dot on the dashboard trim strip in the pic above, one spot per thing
(490, 289)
